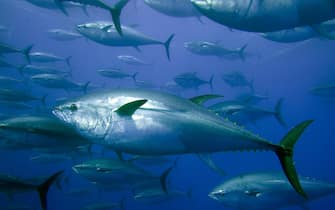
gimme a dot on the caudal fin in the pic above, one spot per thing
(85, 86)
(278, 113)
(115, 11)
(163, 179)
(26, 51)
(61, 7)
(210, 82)
(68, 61)
(167, 45)
(44, 188)
(241, 51)
(285, 155)
(43, 99)
(134, 76)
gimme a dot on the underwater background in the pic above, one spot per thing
(278, 70)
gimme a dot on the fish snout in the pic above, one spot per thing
(217, 195)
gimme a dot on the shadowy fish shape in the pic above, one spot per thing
(132, 60)
(205, 48)
(58, 82)
(42, 57)
(242, 112)
(10, 184)
(190, 80)
(6, 49)
(63, 35)
(237, 79)
(116, 74)
(327, 90)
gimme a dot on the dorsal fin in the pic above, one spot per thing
(204, 98)
(106, 28)
(128, 109)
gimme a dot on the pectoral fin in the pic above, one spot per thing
(130, 108)
(323, 32)
(209, 162)
(200, 100)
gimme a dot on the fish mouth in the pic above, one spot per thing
(59, 114)
(201, 4)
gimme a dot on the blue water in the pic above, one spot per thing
(279, 70)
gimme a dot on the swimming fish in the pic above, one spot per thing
(141, 121)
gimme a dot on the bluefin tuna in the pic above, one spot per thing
(105, 33)
(52, 5)
(191, 80)
(243, 113)
(206, 48)
(266, 16)
(34, 69)
(42, 57)
(58, 82)
(10, 184)
(115, 10)
(16, 95)
(132, 60)
(63, 35)
(327, 90)
(5, 49)
(264, 191)
(141, 121)
(116, 74)
(117, 172)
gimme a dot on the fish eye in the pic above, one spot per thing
(73, 107)
(252, 193)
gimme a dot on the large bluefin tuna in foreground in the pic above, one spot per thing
(266, 16)
(263, 191)
(141, 121)
(106, 34)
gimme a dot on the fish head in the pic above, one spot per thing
(95, 30)
(237, 193)
(89, 117)
(199, 47)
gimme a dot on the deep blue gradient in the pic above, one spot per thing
(279, 70)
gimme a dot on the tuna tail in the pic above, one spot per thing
(167, 46)
(284, 152)
(26, 52)
(189, 194)
(241, 51)
(67, 60)
(43, 99)
(278, 113)
(44, 188)
(163, 179)
(134, 76)
(20, 69)
(85, 86)
(319, 29)
(60, 6)
(121, 203)
(210, 82)
(84, 8)
(115, 11)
